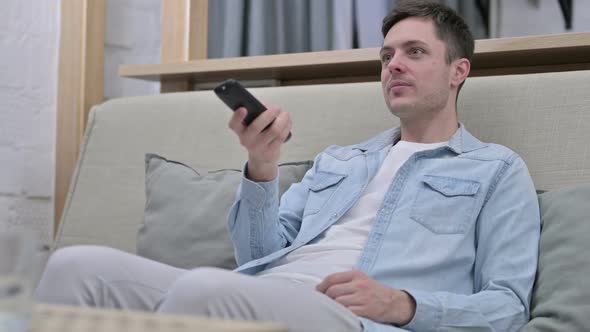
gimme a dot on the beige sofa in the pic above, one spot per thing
(544, 117)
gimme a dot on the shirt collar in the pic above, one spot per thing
(461, 142)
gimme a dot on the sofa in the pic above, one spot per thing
(131, 143)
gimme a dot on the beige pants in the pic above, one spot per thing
(105, 277)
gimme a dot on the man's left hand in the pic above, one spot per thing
(368, 298)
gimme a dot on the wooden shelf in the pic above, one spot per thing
(501, 56)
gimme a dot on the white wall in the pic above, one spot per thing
(29, 46)
(132, 36)
(29, 34)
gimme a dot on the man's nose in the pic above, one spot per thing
(396, 64)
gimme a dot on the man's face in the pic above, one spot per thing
(414, 75)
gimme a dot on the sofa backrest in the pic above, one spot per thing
(543, 117)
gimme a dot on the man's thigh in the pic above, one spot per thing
(104, 277)
(224, 294)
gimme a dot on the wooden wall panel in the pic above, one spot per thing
(184, 36)
(80, 85)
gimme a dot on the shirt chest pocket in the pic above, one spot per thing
(321, 191)
(445, 205)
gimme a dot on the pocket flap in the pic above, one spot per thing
(451, 186)
(325, 180)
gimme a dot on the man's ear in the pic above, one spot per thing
(461, 68)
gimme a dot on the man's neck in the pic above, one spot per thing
(438, 128)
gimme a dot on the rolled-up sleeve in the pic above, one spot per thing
(257, 226)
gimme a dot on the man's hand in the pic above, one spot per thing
(368, 298)
(263, 145)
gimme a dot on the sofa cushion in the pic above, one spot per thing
(562, 287)
(185, 213)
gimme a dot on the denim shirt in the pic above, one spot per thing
(458, 228)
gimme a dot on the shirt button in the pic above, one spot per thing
(335, 215)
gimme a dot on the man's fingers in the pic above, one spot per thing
(252, 132)
(358, 310)
(339, 290)
(262, 121)
(279, 131)
(335, 278)
(350, 300)
(236, 123)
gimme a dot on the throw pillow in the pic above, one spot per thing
(185, 213)
(562, 287)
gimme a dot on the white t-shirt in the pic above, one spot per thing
(340, 246)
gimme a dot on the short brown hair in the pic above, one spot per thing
(450, 27)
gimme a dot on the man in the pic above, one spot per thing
(423, 227)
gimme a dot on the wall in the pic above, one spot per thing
(29, 46)
(132, 36)
(29, 35)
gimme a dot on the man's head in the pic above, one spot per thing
(426, 55)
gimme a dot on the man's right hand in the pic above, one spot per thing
(264, 146)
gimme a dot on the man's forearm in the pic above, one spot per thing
(256, 205)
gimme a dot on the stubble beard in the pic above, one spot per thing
(430, 104)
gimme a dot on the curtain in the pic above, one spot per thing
(257, 27)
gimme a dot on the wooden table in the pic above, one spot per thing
(50, 318)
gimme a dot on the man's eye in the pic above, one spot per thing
(416, 51)
(385, 58)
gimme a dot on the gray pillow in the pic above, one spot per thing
(561, 297)
(185, 213)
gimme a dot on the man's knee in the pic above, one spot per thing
(67, 268)
(77, 259)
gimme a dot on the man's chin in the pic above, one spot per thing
(398, 108)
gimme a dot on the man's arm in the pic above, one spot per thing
(254, 224)
(256, 227)
(507, 239)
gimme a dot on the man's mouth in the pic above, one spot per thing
(397, 85)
